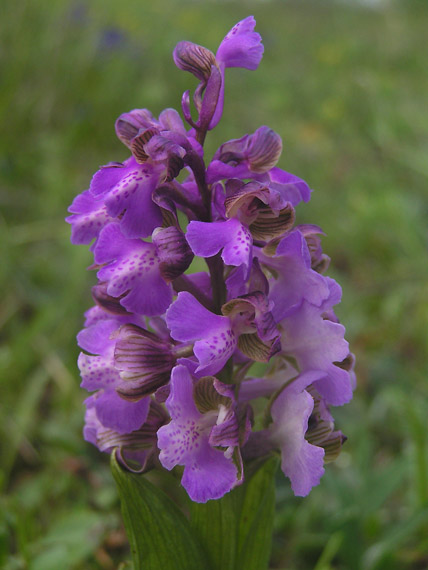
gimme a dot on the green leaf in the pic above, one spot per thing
(236, 530)
(257, 515)
(158, 532)
(215, 523)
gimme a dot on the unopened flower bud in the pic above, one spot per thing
(264, 149)
(106, 301)
(194, 58)
(128, 125)
(145, 362)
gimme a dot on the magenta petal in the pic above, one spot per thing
(170, 120)
(218, 170)
(206, 239)
(209, 476)
(242, 46)
(107, 177)
(316, 344)
(188, 320)
(180, 402)
(132, 269)
(96, 338)
(120, 415)
(150, 297)
(296, 280)
(292, 188)
(97, 371)
(215, 350)
(89, 216)
(133, 195)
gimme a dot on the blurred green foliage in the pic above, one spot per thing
(346, 87)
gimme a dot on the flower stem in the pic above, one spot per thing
(216, 267)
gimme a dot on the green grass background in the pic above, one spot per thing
(346, 86)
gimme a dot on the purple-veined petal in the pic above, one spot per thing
(128, 125)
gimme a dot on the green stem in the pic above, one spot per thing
(197, 166)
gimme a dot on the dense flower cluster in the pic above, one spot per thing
(168, 350)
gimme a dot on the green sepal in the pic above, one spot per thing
(159, 534)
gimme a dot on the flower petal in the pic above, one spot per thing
(242, 47)
(301, 461)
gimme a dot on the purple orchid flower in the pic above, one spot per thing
(191, 439)
(139, 270)
(215, 339)
(99, 374)
(163, 326)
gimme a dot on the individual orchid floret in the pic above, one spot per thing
(99, 374)
(241, 47)
(316, 343)
(135, 450)
(215, 343)
(301, 462)
(254, 212)
(193, 437)
(247, 156)
(321, 430)
(129, 125)
(247, 326)
(141, 272)
(253, 322)
(194, 58)
(295, 280)
(263, 210)
(126, 190)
